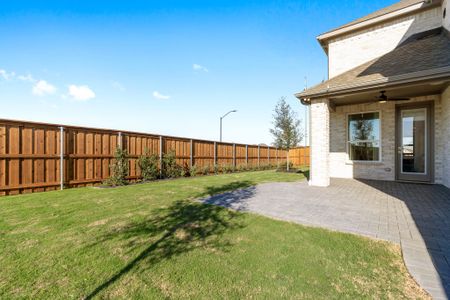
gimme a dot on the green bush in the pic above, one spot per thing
(193, 171)
(266, 167)
(170, 169)
(185, 170)
(149, 166)
(228, 169)
(242, 168)
(217, 169)
(283, 166)
(119, 169)
(205, 170)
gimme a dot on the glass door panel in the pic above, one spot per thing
(414, 141)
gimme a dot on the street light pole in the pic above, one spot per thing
(221, 118)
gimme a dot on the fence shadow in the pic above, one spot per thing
(174, 230)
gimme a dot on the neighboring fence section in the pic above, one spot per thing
(300, 156)
(31, 159)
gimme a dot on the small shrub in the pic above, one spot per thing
(149, 166)
(217, 169)
(185, 170)
(119, 169)
(170, 168)
(242, 168)
(266, 167)
(227, 169)
(283, 166)
(205, 170)
(193, 171)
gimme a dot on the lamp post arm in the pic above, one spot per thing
(221, 118)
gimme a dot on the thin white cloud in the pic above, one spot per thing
(27, 78)
(81, 92)
(42, 88)
(160, 96)
(118, 86)
(198, 67)
(6, 75)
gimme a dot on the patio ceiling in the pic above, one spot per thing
(435, 87)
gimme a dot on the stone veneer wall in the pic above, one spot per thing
(341, 167)
(351, 50)
(320, 142)
(445, 98)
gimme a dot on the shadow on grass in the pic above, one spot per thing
(170, 231)
(306, 173)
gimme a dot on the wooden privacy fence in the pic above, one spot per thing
(37, 157)
(300, 156)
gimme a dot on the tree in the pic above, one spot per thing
(286, 131)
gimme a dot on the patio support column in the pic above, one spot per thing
(320, 143)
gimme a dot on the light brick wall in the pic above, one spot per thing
(341, 167)
(445, 98)
(446, 21)
(320, 142)
(354, 49)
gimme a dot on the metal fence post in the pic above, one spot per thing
(160, 156)
(234, 156)
(259, 156)
(276, 153)
(191, 158)
(287, 160)
(215, 154)
(61, 157)
(119, 142)
(246, 155)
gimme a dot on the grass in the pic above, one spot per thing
(154, 241)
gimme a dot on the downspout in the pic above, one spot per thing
(307, 103)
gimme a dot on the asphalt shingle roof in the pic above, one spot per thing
(426, 51)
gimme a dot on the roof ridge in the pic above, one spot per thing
(378, 13)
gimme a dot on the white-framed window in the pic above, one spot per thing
(364, 136)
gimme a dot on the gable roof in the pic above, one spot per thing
(395, 10)
(423, 54)
(392, 8)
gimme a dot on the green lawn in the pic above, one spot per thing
(154, 241)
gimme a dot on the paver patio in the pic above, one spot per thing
(413, 215)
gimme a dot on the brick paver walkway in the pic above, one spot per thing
(415, 216)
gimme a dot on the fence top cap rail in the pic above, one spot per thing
(116, 131)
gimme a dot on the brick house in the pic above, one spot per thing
(384, 112)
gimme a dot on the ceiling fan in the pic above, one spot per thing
(383, 98)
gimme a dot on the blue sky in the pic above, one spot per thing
(167, 67)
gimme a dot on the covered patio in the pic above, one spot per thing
(416, 216)
(387, 119)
